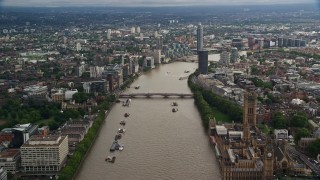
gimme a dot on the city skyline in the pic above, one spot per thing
(124, 3)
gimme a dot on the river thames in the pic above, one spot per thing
(158, 144)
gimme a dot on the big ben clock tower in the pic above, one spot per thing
(268, 161)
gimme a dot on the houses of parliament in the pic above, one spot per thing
(243, 151)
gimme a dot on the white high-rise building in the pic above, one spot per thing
(156, 34)
(109, 34)
(81, 69)
(78, 46)
(44, 155)
(141, 36)
(133, 30)
(138, 30)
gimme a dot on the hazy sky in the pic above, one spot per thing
(144, 2)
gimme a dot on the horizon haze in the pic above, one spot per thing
(136, 3)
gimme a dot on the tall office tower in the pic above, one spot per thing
(203, 61)
(138, 30)
(290, 42)
(285, 42)
(234, 55)
(109, 34)
(133, 30)
(122, 59)
(225, 58)
(251, 42)
(297, 42)
(141, 37)
(260, 42)
(156, 34)
(280, 42)
(157, 56)
(303, 43)
(65, 40)
(199, 37)
(159, 42)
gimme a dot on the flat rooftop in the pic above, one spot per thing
(50, 140)
(9, 153)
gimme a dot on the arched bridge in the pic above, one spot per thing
(149, 95)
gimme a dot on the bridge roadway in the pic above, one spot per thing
(305, 159)
(149, 95)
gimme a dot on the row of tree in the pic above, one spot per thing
(78, 156)
(205, 100)
(223, 105)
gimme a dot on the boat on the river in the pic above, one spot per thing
(126, 114)
(186, 71)
(114, 146)
(137, 87)
(126, 103)
(121, 147)
(110, 159)
(174, 104)
(117, 101)
(174, 109)
(117, 137)
(121, 130)
(123, 122)
(182, 78)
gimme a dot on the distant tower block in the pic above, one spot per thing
(234, 55)
(199, 37)
(141, 36)
(225, 58)
(159, 42)
(203, 61)
(133, 30)
(78, 46)
(109, 34)
(65, 40)
(138, 30)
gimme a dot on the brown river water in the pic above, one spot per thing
(158, 144)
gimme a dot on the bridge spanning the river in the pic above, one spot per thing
(150, 95)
